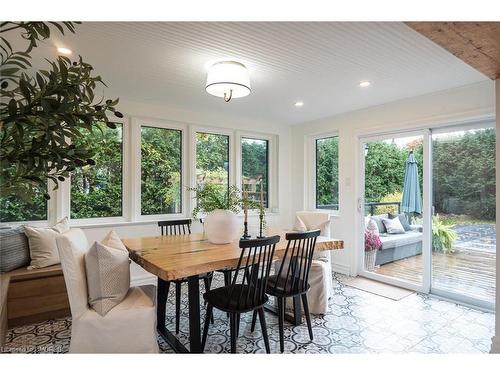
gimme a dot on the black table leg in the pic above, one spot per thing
(194, 314)
(161, 301)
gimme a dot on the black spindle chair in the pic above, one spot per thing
(177, 228)
(247, 290)
(292, 277)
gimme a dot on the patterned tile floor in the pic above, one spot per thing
(358, 322)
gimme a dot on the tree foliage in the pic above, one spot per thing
(96, 190)
(464, 174)
(161, 153)
(327, 172)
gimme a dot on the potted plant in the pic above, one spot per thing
(372, 245)
(442, 236)
(220, 206)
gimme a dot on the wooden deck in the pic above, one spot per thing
(469, 272)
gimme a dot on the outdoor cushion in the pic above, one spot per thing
(380, 224)
(14, 249)
(393, 226)
(403, 220)
(390, 241)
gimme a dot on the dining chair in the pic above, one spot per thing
(130, 327)
(321, 280)
(247, 290)
(292, 277)
(176, 228)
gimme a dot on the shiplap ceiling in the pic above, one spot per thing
(320, 64)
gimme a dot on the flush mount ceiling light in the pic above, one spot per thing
(299, 104)
(64, 51)
(364, 83)
(228, 79)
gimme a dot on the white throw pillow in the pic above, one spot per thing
(108, 273)
(324, 228)
(393, 226)
(42, 243)
(299, 225)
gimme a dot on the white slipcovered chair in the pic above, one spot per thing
(129, 327)
(320, 277)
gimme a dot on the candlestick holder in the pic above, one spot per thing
(261, 226)
(245, 236)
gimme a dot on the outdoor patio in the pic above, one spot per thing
(469, 269)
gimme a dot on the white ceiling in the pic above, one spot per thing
(318, 63)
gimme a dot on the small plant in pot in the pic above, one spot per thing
(221, 206)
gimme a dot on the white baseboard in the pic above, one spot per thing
(341, 268)
(495, 345)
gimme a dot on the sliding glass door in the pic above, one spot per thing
(429, 211)
(463, 221)
(394, 234)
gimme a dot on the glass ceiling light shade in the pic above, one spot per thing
(228, 79)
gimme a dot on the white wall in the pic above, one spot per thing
(469, 102)
(145, 111)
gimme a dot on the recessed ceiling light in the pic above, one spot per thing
(364, 83)
(64, 51)
(299, 104)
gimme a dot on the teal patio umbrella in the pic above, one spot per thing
(412, 199)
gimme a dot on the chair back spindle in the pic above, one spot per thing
(249, 282)
(293, 273)
(175, 227)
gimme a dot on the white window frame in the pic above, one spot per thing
(310, 181)
(273, 203)
(65, 193)
(137, 124)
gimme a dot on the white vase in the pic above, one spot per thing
(222, 226)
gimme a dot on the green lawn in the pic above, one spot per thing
(450, 219)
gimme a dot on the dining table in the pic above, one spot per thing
(189, 255)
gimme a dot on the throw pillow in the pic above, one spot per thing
(14, 249)
(108, 273)
(380, 224)
(42, 243)
(324, 228)
(299, 225)
(403, 220)
(393, 226)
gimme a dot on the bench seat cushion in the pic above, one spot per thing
(390, 241)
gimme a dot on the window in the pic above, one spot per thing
(13, 208)
(255, 169)
(327, 173)
(161, 165)
(96, 191)
(212, 159)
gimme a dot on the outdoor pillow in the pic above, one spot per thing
(42, 243)
(393, 226)
(380, 224)
(403, 220)
(14, 249)
(108, 273)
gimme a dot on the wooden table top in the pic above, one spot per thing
(175, 257)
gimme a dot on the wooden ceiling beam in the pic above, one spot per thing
(476, 43)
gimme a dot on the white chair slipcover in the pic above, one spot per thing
(320, 276)
(129, 327)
